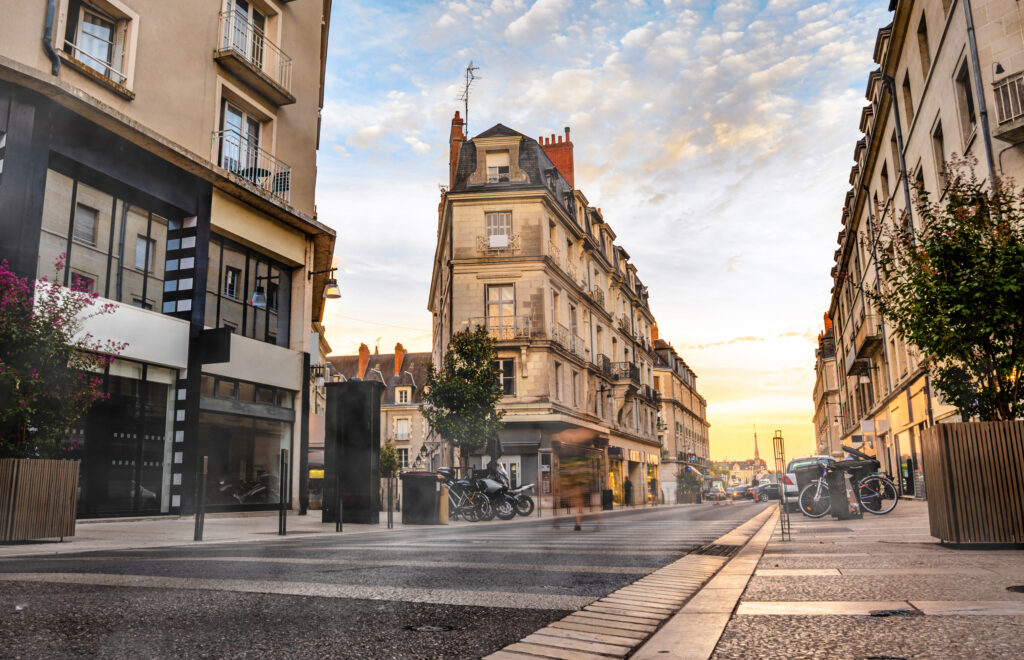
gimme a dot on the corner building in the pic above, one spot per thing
(521, 252)
(936, 93)
(169, 150)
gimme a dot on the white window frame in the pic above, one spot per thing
(498, 173)
(403, 394)
(498, 229)
(403, 458)
(231, 283)
(148, 254)
(122, 63)
(408, 428)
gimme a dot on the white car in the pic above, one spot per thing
(789, 479)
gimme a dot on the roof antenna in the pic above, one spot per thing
(464, 97)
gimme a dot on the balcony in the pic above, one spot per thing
(626, 371)
(497, 244)
(869, 335)
(604, 364)
(579, 347)
(560, 334)
(570, 270)
(554, 253)
(505, 328)
(624, 324)
(244, 50)
(1009, 94)
(857, 366)
(246, 161)
(597, 294)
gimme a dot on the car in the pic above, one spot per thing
(736, 492)
(714, 494)
(765, 492)
(789, 479)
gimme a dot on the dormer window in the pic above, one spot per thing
(403, 394)
(497, 167)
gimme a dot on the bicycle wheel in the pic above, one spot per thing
(814, 501)
(878, 494)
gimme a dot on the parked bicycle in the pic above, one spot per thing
(465, 498)
(876, 491)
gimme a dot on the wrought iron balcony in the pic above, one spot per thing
(597, 294)
(560, 334)
(624, 324)
(498, 244)
(869, 335)
(246, 51)
(245, 160)
(504, 328)
(1009, 93)
(626, 371)
(579, 347)
(604, 364)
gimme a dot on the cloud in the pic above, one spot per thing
(538, 22)
(733, 263)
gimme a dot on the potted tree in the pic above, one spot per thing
(50, 375)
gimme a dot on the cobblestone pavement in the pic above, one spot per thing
(813, 597)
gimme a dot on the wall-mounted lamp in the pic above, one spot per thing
(259, 296)
(316, 374)
(331, 289)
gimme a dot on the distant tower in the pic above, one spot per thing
(757, 455)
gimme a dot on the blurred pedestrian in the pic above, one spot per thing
(653, 485)
(627, 492)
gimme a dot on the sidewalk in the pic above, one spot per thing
(880, 587)
(140, 533)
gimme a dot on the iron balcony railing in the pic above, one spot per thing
(560, 334)
(624, 324)
(238, 34)
(244, 159)
(101, 67)
(1009, 93)
(604, 364)
(504, 328)
(403, 436)
(579, 347)
(626, 371)
(597, 294)
(497, 243)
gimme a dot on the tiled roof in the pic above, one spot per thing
(414, 372)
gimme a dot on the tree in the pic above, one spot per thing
(50, 370)
(388, 460)
(954, 288)
(690, 480)
(460, 398)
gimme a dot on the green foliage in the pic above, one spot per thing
(460, 398)
(50, 370)
(690, 481)
(955, 290)
(388, 460)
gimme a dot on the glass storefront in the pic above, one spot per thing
(124, 443)
(244, 458)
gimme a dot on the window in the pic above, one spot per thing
(402, 429)
(142, 304)
(965, 102)
(501, 305)
(497, 167)
(885, 181)
(558, 381)
(402, 395)
(145, 249)
(231, 279)
(403, 458)
(85, 224)
(96, 40)
(922, 45)
(82, 282)
(908, 100)
(939, 153)
(240, 143)
(498, 227)
(575, 388)
(506, 370)
(244, 32)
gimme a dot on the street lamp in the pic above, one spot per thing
(331, 289)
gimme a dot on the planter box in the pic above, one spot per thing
(38, 498)
(687, 498)
(975, 477)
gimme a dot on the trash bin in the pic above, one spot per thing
(805, 474)
(606, 500)
(421, 498)
(841, 487)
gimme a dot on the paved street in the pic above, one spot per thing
(342, 596)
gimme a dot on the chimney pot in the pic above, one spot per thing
(566, 133)
(559, 139)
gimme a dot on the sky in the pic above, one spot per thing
(716, 137)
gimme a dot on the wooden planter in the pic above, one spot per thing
(974, 473)
(38, 498)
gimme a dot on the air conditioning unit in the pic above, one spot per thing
(498, 241)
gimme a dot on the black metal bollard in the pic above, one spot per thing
(337, 503)
(282, 520)
(200, 501)
(391, 502)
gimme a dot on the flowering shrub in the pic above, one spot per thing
(50, 370)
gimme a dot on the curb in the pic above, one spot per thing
(709, 611)
(620, 623)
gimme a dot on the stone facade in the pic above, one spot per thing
(524, 254)
(827, 429)
(683, 428)
(934, 95)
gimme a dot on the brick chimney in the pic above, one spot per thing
(364, 360)
(560, 154)
(399, 356)
(654, 332)
(828, 322)
(455, 140)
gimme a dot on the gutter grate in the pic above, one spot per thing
(717, 550)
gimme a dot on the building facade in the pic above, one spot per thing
(940, 89)
(177, 177)
(827, 427)
(683, 428)
(403, 375)
(521, 252)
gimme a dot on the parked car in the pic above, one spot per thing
(789, 479)
(766, 492)
(714, 494)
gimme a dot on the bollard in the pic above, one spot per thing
(282, 519)
(200, 501)
(337, 503)
(391, 502)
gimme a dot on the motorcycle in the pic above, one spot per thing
(502, 502)
(522, 503)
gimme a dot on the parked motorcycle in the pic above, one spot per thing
(496, 489)
(522, 504)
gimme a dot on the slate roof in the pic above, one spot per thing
(532, 160)
(414, 372)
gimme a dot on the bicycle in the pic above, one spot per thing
(877, 494)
